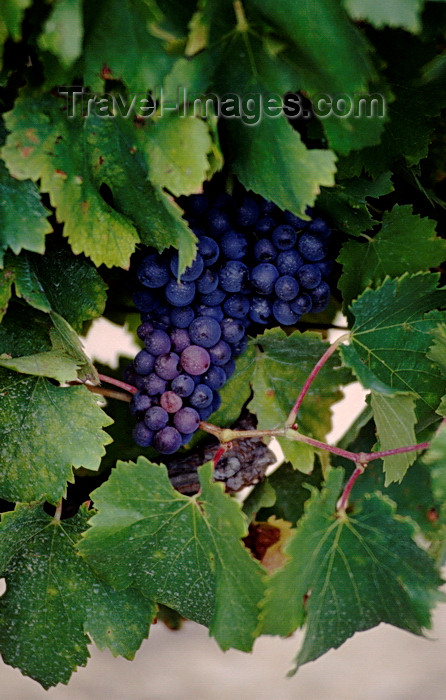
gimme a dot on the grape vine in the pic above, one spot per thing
(229, 182)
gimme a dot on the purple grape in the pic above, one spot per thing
(220, 354)
(232, 330)
(168, 366)
(201, 396)
(288, 262)
(236, 306)
(156, 418)
(167, 440)
(215, 377)
(144, 329)
(180, 339)
(140, 402)
(309, 276)
(183, 385)
(142, 435)
(284, 314)
(154, 385)
(186, 420)
(195, 360)
(157, 342)
(204, 331)
(171, 402)
(234, 246)
(265, 225)
(182, 317)
(208, 281)
(144, 362)
(311, 247)
(213, 311)
(301, 304)
(180, 293)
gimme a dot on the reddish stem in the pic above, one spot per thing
(343, 501)
(314, 372)
(117, 382)
(396, 451)
(220, 452)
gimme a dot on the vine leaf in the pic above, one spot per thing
(185, 552)
(391, 335)
(405, 243)
(63, 31)
(11, 16)
(391, 13)
(349, 573)
(395, 421)
(75, 160)
(435, 459)
(45, 431)
(53, 599)
(23, 218)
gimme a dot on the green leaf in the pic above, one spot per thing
(59, 281)
(391, 13)
(437, 352)
(121, 44)
(75, 158)
(435, 459)
(43, 364)
(391, 335)
(177, 151)
(11, 16)
(53, 599)
(184, 552)
(23, 218)
(347, 206)
(404, 243)
(45, 431)
(6, 281)
(348, 573)
(395, 424)
(63, 31)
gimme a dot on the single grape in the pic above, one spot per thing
(187, 437)
(286, 288)
(320, 297)
(204, 331)
(311, 247)
(156, 418)
(167, 440)
(265, 225)
(215, 377)
(195, 360)
(157, 342)
(284, 237)
(168, 366)
(247, 213)
(208, 281)
(229, 368)
(209, 250)
(325, 266)
(218, 221)
(140, 402)
(180, 339)
(234, 246)
(186, 420)
(260, 310)
(236, 305)
(154, 385)
(309, 276)
(288, 262)
(142, 435)
(214, 298)
(192, 272)
(144, 362)
(180, 293)
(232, 330)
(263, 278)
(153, 272)
(213, 311)
(320, 227)
(183, 385)
(201, 396)
(264, 250)
(284, 314)
(234, 276)
(171, 402)
(204, 413)
(143, 329)
(220, 353)
(182, 317)
(145, 300)
(301, 304)
(293, 220)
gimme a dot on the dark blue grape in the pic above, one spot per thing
(140, 403)
(240, 347)
(236, 305)
(232, 330)
(218, 221)
(220, 354)
(311, 247)
(187, 437)
(320, 227)
(186, 420)
(247, 213)
(288, 262)
(215, 377)
(309, 276)
(294, 221)
(214, 298)
(229, 368)
(168, 366)
(265, 225)
(213, 311)
(183, 385)
(204, 413)
(208, 281)
(284, 237)
(209, 250)
(301, 304)
(216, 402)
(268, 208)
(167, 440)
(153, 272)
(156, 418)
(204, 331)
(154, 385)
(157, 342)
(320, 296)
(284, 314)
(234, 246)
(325, 266)
(201, 396)
(264, 250)
(144, 362)
(234, 276)
(142, 435)
(192, 272)
(180, 293)
(143, 329)
(260, 310)
(286, 288)
(182, 317)
(263, 278)
(195, 360)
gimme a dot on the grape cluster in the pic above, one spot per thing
(256, 266)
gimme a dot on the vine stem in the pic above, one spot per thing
(343, 501)
(58, 512)
(117, 382)
(314, 372)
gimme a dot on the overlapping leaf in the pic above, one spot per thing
(63, 31)
(74, 159)
(404, 243)
(392, 13)
(391, 335)
(183, 552)
(348, 573)
(395, 421)
(53, 600)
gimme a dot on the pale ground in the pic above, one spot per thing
(382, 664)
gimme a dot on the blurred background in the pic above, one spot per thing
(381, 664)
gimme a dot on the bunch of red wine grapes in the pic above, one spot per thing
(256, 266)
